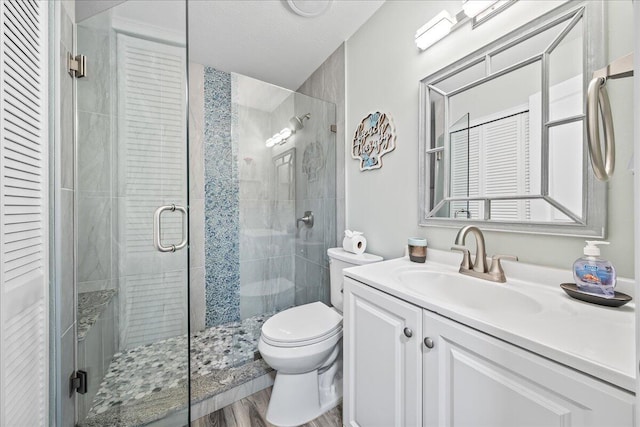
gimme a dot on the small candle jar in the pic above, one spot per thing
(417, 249)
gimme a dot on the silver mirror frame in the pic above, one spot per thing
(594, 219)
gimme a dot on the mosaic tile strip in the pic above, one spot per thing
(222, 191)
(90, 306)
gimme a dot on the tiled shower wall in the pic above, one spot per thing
(315, 191)
(267, 216)
(248, 231)
(95, 166)
(323, 193)
(328, 83)
(96, 201)
(196, 198)
(256, 260)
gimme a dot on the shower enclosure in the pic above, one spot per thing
(165, 329)
(268, 156)
(131, 160)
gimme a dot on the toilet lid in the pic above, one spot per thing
(302, 325)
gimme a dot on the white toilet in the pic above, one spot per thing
(304, 345)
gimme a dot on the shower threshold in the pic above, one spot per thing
(148, 383)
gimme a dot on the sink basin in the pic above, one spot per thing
(472, 293)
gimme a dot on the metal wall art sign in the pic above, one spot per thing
(374, 137)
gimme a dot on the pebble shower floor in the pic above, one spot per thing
(137, 373)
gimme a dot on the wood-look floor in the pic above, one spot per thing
(252, 412)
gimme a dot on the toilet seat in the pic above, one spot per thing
(302, 343)
(303, 325)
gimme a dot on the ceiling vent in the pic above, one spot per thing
(309, 8)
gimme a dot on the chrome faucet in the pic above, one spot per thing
(479, 269)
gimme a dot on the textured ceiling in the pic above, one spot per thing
(265, 40)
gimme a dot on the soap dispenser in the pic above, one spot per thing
(593, 274)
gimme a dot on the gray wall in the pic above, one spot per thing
(384, 203)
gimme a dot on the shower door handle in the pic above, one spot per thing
(157, 231)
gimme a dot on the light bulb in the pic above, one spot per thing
(270, 142)
(285, 133)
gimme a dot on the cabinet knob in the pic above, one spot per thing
(408, 332)
(428, 342)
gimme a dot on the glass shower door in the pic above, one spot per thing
(131, 213)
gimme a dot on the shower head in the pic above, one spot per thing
(297, 122)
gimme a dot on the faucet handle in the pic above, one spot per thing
(496, 268)
(497, 258)
(466, 257)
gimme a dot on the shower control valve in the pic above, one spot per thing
(307, 219)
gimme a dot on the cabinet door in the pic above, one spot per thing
(383, 366)
(473, 379)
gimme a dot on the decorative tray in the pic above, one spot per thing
(618, 300)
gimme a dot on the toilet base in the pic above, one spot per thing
(299, 398)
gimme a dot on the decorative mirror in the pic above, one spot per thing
(503, 136)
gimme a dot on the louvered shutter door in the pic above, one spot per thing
(152, 172)
(459, 170)
(503, 142)
(24, 214)
(500, 149)
(465, 169)
(474, 170)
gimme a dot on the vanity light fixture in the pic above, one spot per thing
(434, 30)
(274, 140)
(478, 11)
(473, 8)
(285, 133)
(482, 13)
(279, 138)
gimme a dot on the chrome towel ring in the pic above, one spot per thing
(598, 101)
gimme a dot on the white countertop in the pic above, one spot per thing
(593, 339)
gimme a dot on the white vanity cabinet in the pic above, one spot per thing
(460, 376)
(382, 338)
(473, 379)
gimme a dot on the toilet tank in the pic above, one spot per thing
(339, 259)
